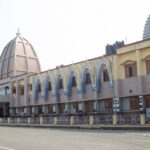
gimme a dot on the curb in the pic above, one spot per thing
(89, 127)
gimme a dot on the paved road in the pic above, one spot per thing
(61, 139)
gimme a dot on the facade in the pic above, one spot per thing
(115, 84)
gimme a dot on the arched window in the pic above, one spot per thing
(87, 78)
(14, 90)
(60, 84)
(105, 75)
(39, 87)
(74, 84)
(49, 86)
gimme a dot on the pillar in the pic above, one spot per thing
(114, 119)
(142, 119)
(26, 91)
(8, 120)
(18, 120)
(29, 120)
(72, 120)
(91, 120)
(55, 120)
(17, 92)
(11, 96)
(41, 120)
(115, 75)
(139, 70)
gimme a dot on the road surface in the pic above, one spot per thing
(12, 138)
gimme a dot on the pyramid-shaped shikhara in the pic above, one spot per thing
(146, 33)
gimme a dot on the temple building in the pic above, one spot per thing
(116, 83)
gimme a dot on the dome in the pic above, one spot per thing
(17, 58)
(146, 33)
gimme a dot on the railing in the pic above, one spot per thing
(48, 120)
(81, 120)
(63, 120)
(23, 120)
(103, 119)
(35, 120)
(4, 120)
(147, 120)
(13, 120)
(128, 119)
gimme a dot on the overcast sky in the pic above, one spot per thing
(66, 31)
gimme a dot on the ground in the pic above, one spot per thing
(12, 138)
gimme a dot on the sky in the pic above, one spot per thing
(69, 31)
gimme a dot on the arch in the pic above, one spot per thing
(99, 74)
(36, 89)
(86, 69)
(69, 81)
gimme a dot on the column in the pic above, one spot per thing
(26, 91)
(142, 119)
(11, 95)
(29, 120)
(114, 119)
(91, 120)
(115, 76)
(18, 120)
(55, 120)
(72, 120)
(8, 120)
(139, 70)
(17, 92)
(41, 120)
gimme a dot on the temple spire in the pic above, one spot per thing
(18, 33)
